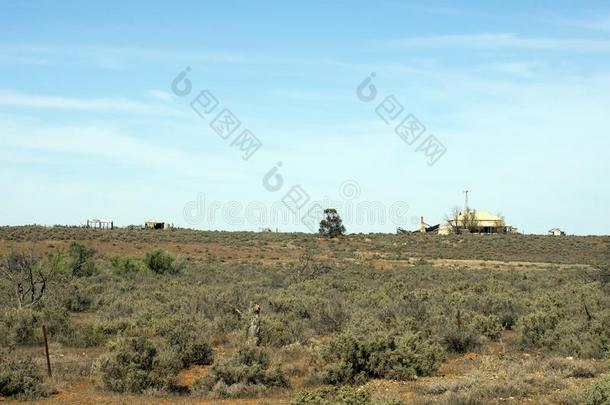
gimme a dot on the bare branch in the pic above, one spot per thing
(28, 278)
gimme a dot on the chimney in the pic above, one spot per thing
(422, 225)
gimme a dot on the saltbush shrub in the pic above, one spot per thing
(345, 395)
(537, 329)
(489, 326)
(460, 339)
(124, 266)
(21, 378)
(20, 326)
(356, 358)
(571, 368)
(463, 398)
(135, 364)
(599, 392)
(161, 262)
(187, 336)
(77, 298)
(246, 373)
(87, 335)
(274, 332)
(56, 319)
(570, 335)
(496, 303)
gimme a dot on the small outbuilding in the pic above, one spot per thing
(154, 224)
(556, 232)
(100, 224)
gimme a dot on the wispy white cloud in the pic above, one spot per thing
(430, 9)
(503, 41)
(523, 69)
(108, 57)
(69, 144)
(118, 57)
(160, 95)
(597, 23)
(311, 95)
(121, 105)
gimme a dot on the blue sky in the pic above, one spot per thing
(516, 92)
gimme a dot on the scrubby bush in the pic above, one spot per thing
(599, 392)
(462, 333)
(81, 260)
(161, 262)
(116, 326)
(77, 298)
(460, 339)
(581, 371)
(594, 336)
(246, 373)
(19, 326)
(124, 266)
(21, 378)
(516, 385)
(305, 311)
(463, 398)
(356, 358)
(86, 335)
(571, 368)
(186, 335)
(274, 332)
(344, 395)
(565, 333)
(567, 397)
(134, 364)
(537, 329)
(440, 387)
(22, 326)
(489, 326)
(56, 319)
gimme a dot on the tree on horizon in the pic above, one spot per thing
(332, 225)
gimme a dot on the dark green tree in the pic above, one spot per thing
(332, 224)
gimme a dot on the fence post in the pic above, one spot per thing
(46, 349)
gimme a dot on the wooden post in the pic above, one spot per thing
(46, 349)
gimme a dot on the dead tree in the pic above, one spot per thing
(302, 269)
(587, 312)
(453, 220)
(254, 328)
(469, 220)
(308, 268)
(462, 222)
(253, 337)
(26, 276)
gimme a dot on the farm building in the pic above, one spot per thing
(154, 224)
(556, 232)
(425, 228)
(476, 222)
(100, 224)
